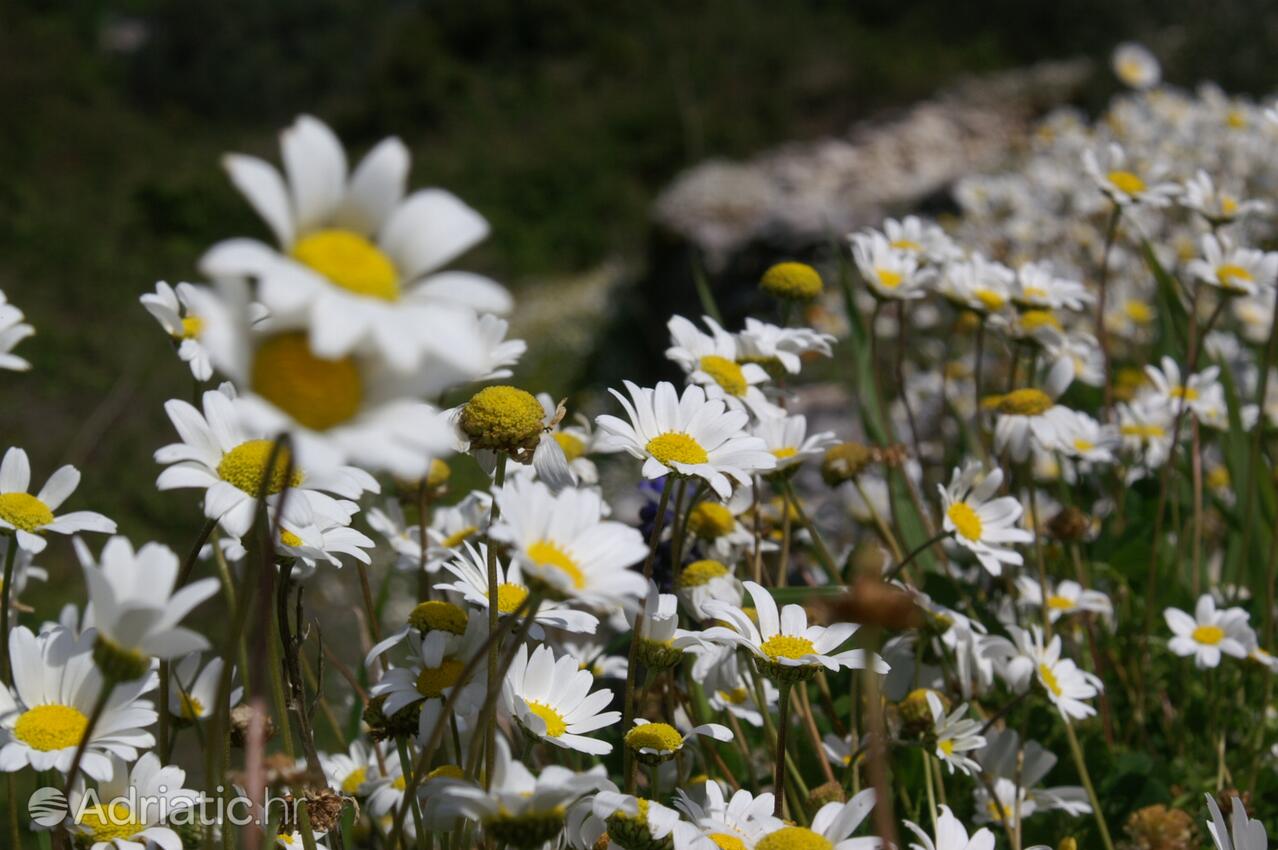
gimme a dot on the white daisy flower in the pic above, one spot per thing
(977, 284)
(1233, 269)
(956, 736)
(1016, 771)
(1123, 182)
(13, 330)
(1037, 287)
(1021, 422)
(1067, 597)
(653, 743)
(434, 666)
(358, 262)
(707, 580)
(551, 698)
(637, 822)
(193, 694)
(453, 525)
(226, 458)
(891, 273)
(718, 669)
(786, 644)
(55, 688)
(788, 440)
(1135, 66)
(951, 834)
(1201, 393)
(711, 361)
(470, 569)
(763, 343)
(1215, 204)
(1145, 429)
(331, 537)
(106, 821)
(1242, 833)
(979, 522)
(348, 772)
(833, 824)
(384, 789)
(925, 238)
(28, 518)
(136, 608)
(1080, 436)
(1029, 659)
(564, 541)
(24, 571)
(172, 309)
(689, 435)
(1209, 633)
(737, 822)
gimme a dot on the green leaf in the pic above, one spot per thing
(1173, 319)
(799, 595)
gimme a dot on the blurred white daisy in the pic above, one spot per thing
(1209, 633)
(171, 308)
(28, 518)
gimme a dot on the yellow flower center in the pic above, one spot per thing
(455, 539)
(399, 783)
(1126, 182)
(245, 467)
(288, 538)
(661, 737)
(726, 373)
(797, 281)
(191, 327)
(710, 520)
(318, 393)
(794, 838)
(510, 597)
(1187, 393)
(1030, 293)
(724, 841)
(1144, 432)
(906, 245)
(700, 573)
(571, 445)
(785, 452)
(990, 299)
(1210, 635)
(1236, 119)
(51, 727)
(888, 278)
(1217, 479)
(438, 615)
(546, 553)
(675, 447)
(1228, 204)
(190, 707)
(109, 821)
(432, 681)
(1060, 603)
(1231, 274)
(1032, 320)
(946, 746)
(448, 771)
(354, 780)
(736, 696)
(966, 521)
(787, 646)
(350, 261)
(555, 725)
(1025, 402)
(24, 511)
(1138, 311)
(1083, 446)
(503, 417)
(1048, 675)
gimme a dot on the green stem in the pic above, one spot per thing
(7, 601)
(931, 791)
(936, 538)
(818, 543)
(783, 723)
(1081, 764)
(406, 768)
(490, 735)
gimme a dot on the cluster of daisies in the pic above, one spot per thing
(747, 610)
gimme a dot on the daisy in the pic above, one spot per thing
(575, 443)
(739, 821)
(653, 743)
(193, 695)
(330, 537)
(358, 262)
(787, 438)
(1216, 205)
(1145, 431)
(55, 688)
(104, 820)
(1080, 436)
(704, 581)
(767, 344)
(711, 361)
(1021, 421)
(436, 661)
(384, 790)
(551, 698)
(891, 273)
(661, 641)
(13, 330)
(349, 408)
(1201, 393)
(453, 525)
(980, 523)
(136, 608)
(785, 646)
(1016, 772)
(689, 435)
(955, 734)
(24, 570)
(925, 238)
(225, 458)
(1136, 67)
(1242, 833)
(832, 826)
(470, 569)
(1234, 270)
(1038, 288)
(951, 834)
(977, 284)
(1029, 659)
(637, 822)
(1065, 598)
(564, 542)
(1122, 183)
(1209, 633)
(171, 308)
(28, 518)
(348, 772)
(718, 669)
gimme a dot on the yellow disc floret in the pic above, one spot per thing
(724, 841)
(107, 822)
(547, 553)
(350, 261)
(1126, 182)
(888, 278)
(555, 724)
(1048, 677)
(676, 447)
(661, 737)
(191, 327)
(710, 520)
(966, 521)
(503, 418)
(354, 780)
(438, 615)
(726, 373)
(51, 727)
(24, 511)
(190, 708)
(433, 681)
(510, 597)
(794, 838)
(571, 445)
(700, 573)
(795, 281)
(787, 646)
(318, 393)
(245, 467)
(1210, 635)
(1025, 402)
